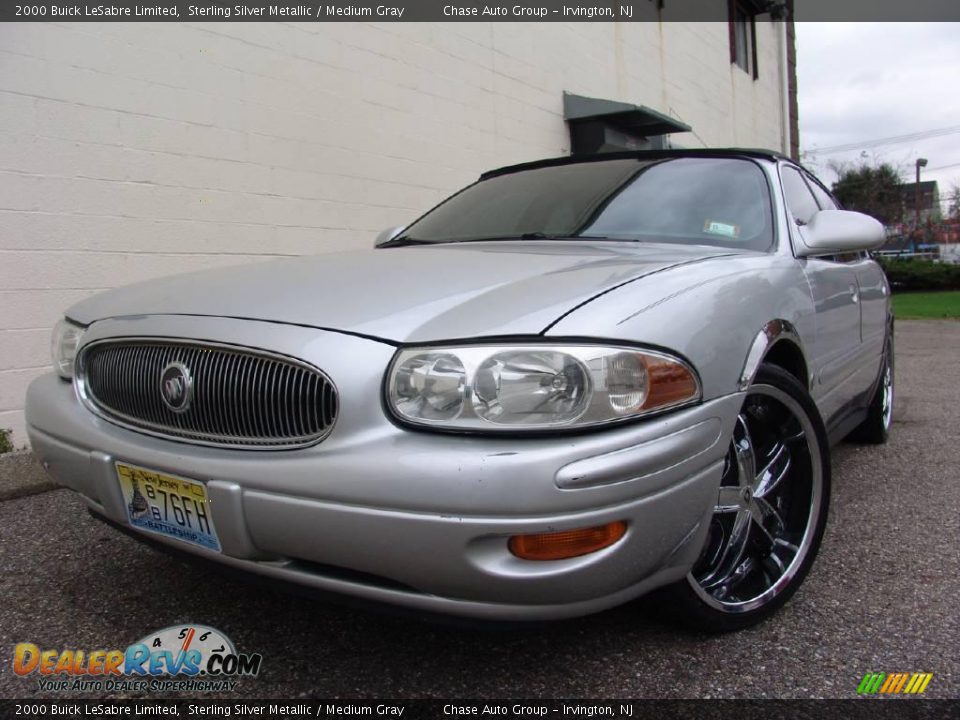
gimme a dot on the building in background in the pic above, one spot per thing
(130, 151)
(934, 237)
(929, 210)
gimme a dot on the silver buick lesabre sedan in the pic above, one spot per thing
(571, 383)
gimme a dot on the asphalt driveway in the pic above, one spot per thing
(883, 595)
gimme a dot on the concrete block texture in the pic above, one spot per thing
(130, 151)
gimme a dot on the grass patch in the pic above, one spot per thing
(5, 444)
(926, 305)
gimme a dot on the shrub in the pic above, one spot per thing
(911, 274)
(6, 445)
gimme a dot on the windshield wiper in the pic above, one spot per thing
(406, 240)
(548, 236)
(403, 240)
(530, 236)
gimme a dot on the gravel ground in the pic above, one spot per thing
(882, 595)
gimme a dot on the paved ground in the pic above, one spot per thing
(22, 475)
(882, 596)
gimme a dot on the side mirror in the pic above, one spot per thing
(387, 235)
(831, 232)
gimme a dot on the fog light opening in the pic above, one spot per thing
(567, 543)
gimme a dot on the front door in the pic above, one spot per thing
(833, 285)
(836, 294)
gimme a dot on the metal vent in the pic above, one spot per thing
(208, 394)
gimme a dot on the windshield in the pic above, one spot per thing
(690, 200)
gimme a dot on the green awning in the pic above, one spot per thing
(637, 120)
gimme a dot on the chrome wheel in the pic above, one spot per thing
(875, 428)
(767, 513)
(887, 398)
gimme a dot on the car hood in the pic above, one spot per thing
(405, 294)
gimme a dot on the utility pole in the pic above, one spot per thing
(921, 162)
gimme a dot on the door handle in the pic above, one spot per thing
(854, 296)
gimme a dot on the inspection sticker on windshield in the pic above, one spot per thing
(718, 228)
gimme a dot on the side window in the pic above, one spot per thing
(797, 194)
(823, 197)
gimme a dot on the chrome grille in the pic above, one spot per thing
(241, 397)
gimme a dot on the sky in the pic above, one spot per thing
(861, 82)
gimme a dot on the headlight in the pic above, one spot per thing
(63, 347)
(534, 387)
(430, 386)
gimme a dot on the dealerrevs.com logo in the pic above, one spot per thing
(179, 658)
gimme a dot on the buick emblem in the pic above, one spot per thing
(176, 387)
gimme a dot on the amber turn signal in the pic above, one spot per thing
(567, 543)
(670, 383)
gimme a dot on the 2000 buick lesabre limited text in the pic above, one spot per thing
(571, 383)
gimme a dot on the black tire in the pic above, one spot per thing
(762, 540)
(875, 430)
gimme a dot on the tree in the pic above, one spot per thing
(872, 189)
(953, 203)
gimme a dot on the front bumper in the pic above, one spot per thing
(412, 518)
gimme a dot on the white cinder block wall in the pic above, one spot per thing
(129, 151)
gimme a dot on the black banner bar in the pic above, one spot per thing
(861, 709)
(466, 11)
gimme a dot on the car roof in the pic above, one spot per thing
(639, 155)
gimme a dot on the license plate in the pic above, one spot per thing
(168, 505)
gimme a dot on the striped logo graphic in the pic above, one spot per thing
(894, 683)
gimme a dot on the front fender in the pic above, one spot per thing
(710, 312)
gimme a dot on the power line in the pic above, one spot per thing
(905, 171)
(942, 167)
(892, 140)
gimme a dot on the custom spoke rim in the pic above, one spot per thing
(887, 394)
(767, 507)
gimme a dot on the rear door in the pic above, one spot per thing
(836, 296)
